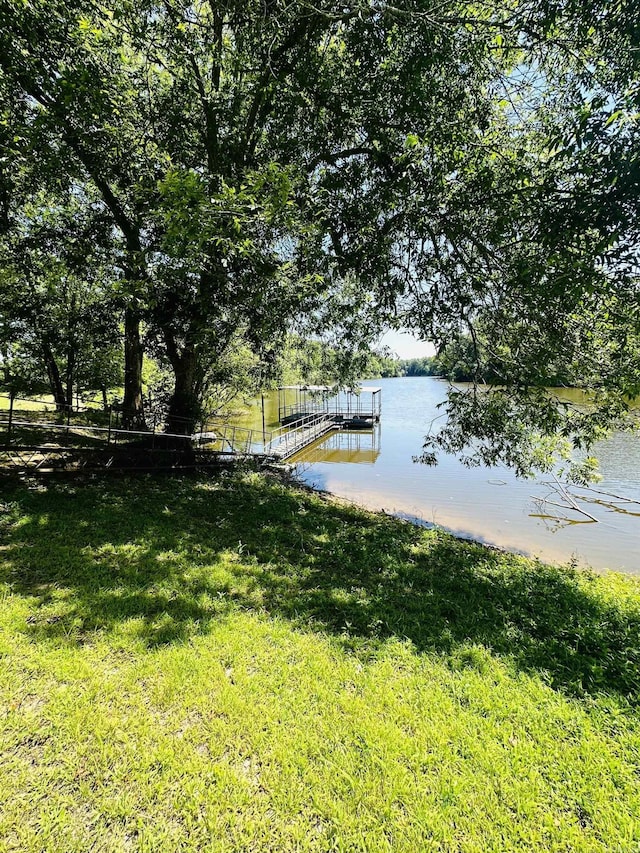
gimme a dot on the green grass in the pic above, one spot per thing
(41, 404)
(232, 664)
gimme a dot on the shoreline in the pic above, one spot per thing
(573, 562)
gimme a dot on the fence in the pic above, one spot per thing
(32, 423)
(37, 428)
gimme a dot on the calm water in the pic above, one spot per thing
(486, 504)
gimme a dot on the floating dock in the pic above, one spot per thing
(309, 412)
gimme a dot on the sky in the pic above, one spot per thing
(405, 345)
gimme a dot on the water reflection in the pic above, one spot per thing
(559, 522)
(361, 447)
(489, 505)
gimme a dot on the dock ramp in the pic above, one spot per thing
(292, 438)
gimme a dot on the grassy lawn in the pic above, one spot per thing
(41, 404)
(232, 664)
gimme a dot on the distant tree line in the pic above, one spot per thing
(475, 359)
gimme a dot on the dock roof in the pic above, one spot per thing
(333, 389)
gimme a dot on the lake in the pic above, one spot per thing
(487, 504)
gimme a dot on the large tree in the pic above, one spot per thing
(254, 157)
(59, 305)
(354, 164)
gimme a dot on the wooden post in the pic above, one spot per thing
(10, 417)
(109, 429)
(264, 432)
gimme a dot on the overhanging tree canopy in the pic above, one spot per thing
(435, 165)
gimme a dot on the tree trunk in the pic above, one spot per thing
(55, 380)
(72, 349)
(132, 410)
(184, 407)
(70, 369)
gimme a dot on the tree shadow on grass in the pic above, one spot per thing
(165, 557)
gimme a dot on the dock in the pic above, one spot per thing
(309, 412)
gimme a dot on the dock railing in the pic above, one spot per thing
(309, 409)
(224, 437)
(286, 440)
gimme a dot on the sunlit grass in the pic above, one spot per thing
(40, 404)
(233, 664)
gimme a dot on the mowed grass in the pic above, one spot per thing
(23, 404)
(232, 664)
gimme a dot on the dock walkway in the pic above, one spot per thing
(293, 438)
